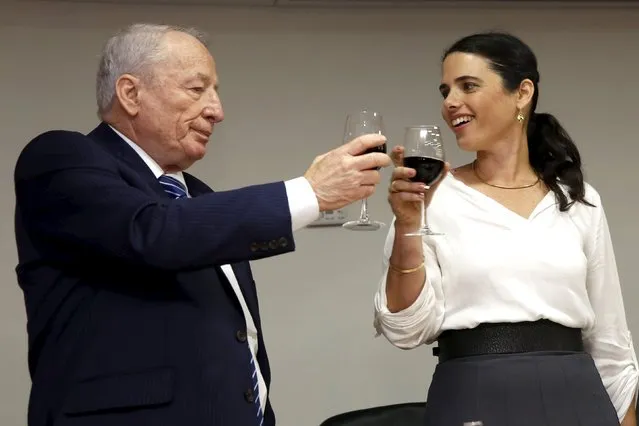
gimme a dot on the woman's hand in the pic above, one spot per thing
(406, 197)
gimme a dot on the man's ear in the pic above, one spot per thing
(127, 92)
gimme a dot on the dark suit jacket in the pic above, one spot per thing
(130, 320)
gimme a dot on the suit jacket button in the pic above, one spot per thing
(272, 244)
(241, 336)
(254, 247)
(283, 242)
(249, 396)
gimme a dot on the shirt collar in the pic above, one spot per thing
(150, 162)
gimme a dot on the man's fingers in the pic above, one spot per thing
(370, 177)
(360, 144)
(371, 160)
(365, 191)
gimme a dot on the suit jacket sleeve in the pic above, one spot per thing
(76, 203)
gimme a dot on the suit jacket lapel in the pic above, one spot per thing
(109, 140)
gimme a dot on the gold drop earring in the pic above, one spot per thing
(520, 117)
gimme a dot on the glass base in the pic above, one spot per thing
(361, 225)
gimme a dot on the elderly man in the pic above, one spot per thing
(142, 310)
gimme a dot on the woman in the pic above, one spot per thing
(521, 294)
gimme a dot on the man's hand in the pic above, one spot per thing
(345, 175)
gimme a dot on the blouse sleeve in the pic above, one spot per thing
(609, 341)
(419, 323)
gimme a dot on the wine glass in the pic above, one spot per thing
(358, 124)
(423, 151)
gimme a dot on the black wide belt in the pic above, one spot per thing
(508, 338)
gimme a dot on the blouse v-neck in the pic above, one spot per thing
(500, 209)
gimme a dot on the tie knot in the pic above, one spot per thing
(173, 187)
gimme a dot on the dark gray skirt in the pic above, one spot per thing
(531, 389)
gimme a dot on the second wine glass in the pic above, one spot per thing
(423, 151)
(358, 124)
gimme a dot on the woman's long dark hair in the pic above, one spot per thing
(552, 153)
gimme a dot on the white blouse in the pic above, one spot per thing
(493, 265)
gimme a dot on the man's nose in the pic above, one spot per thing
(213, 111)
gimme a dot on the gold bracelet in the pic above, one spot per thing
(405, 271)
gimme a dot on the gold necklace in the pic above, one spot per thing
(502, 187)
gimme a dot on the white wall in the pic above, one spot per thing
(288, 79)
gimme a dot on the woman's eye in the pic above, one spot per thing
(469, 86)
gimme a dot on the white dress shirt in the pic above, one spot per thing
(304, 210)
(493, 265)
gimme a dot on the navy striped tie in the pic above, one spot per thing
(172, 186)
(256, 391)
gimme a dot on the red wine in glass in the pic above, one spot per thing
(357, 124)
(424, 152)
(427, 169)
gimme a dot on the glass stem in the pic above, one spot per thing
(363, 214)
(424, 226)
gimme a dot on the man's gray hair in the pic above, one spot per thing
(132, 50)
